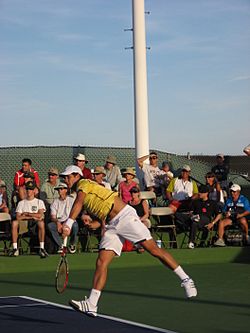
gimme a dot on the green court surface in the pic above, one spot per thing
(140, 289)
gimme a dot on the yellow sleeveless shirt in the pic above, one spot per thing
(98, 200)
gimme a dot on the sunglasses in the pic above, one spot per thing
(153, 158)
(52, 174)
(209, 176)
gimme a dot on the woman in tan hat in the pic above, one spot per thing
(126, 185)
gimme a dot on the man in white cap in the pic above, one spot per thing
(236, 209)
(122, 223)
(81, 162)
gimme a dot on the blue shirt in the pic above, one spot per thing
(239, 206)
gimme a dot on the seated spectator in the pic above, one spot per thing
(90, 224)
(246, 150)
(204, 212)
(113, 172)
(99, 174)
(59, 213)
(140, 205)
(214, 189)
(19, 181)
(221, 170)
(126, 185)
(181, 190)
(162, 181)
(150, 171)
(31, 210)
(48, 191)
(3, 198)
(81, 162)
(236, 209)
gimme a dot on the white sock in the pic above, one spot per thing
(14, 245)
(94, 296)
(180, 272)
(41, 245)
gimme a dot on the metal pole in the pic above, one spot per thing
(140, 80)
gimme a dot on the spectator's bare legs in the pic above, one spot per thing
(221, 228)
(41, 231)
(244, 225)
(14, 231)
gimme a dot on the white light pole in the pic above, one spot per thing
(140, 79)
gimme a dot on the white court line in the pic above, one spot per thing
(103, 316)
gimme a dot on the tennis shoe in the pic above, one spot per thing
(84, 306)
(219, 242)
(14, 253)
(72, 249)
(43, 253)
(191, 245)
(189, 286)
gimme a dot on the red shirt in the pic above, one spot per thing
(19, 179)
(87, 173)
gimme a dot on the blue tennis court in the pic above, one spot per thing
(25, 314)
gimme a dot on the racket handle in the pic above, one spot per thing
(65, 242)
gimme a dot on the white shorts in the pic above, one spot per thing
(125, 225)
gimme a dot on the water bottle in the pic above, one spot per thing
(159, 243)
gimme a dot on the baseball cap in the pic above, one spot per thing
(30, 185)
(61, 185)
(71, 169)
(235, 187)
(186, 167)
(203, 189)
(220, 155)
(99, 170)
(53, 171)
(29, 174)
(80, 157)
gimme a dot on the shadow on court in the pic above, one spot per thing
(18, 314)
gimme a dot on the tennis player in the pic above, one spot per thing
(122, 223)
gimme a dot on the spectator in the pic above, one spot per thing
(214, 189)
(3, 198)
(22, 193)
(221, 171)
(59, 213)
(236, 209)
(151, 171)
(204, 212)
(48, 190)
(26, 167)
(31, 210)
(162, 181)
(246, 150)
(99, 174)
(113, 172)
(126, 185)
(140, 205)
(182, 190)
(81, 161)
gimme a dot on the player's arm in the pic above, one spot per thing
(74, 213)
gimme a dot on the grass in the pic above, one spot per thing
(142, 290)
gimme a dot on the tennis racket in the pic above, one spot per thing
(62, 272)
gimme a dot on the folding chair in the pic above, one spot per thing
(164, 222)
(5, 231)
(149, 196)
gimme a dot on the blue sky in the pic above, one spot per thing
(65, 77)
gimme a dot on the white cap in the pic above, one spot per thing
(71, 169)
(235, 187)
(186, 167)
(80, 157)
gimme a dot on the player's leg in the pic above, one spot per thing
(110, 246)
(168, 260)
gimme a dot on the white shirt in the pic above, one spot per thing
(30, 206)
(150, 172)
(61, 208)
(182, 189)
